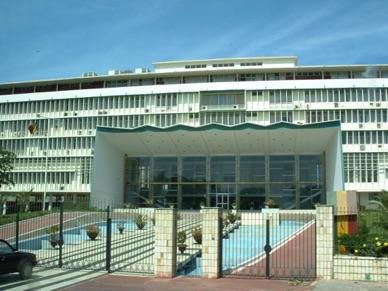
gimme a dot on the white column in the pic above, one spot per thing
(325, 241)
(211, 242)
(165, 243)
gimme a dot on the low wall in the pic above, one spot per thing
(360, 268)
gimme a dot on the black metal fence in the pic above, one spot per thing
(271, 244)
(189, 261)
(75, 235)
(283, 248)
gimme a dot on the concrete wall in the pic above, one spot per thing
(108, 172)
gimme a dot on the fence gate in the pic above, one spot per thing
(281, 247)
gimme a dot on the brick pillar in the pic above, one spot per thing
(211, 242)
(325, 241)
(165, 243)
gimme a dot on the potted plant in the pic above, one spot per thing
(150, 202)
(171, 205)
(270, 203)
(234, 204)
(197, 234)
(225, 222)
(121, 227)
(181, 237)
(128, 205)
(53, 235)
(140, 220)
(92, 231)
(232, 217)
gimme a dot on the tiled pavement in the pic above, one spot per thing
(74, 280)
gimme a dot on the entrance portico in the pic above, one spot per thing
(215, 164)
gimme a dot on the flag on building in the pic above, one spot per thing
(32, 128)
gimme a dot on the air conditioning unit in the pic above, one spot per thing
(204, 107)
(100, 112)
(379, 146)
(362, 147)
(75, 113)
(378, 125)
(335, 104)
(235, 106)
(360, 125)
(80, 131)
(64, 113)
(378, 104)
(147, 110)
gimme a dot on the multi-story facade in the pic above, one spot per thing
(57, 158)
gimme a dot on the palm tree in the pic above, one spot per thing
(24, 200)
(3, 204)
(382, 202)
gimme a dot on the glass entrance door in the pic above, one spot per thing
(222, 200)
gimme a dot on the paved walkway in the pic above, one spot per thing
(76, 280)
(124, 282)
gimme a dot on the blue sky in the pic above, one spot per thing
(47, 39)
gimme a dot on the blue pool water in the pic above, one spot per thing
(74, 235)
(244, 243)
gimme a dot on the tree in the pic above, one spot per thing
(6, 166)
(3, 204)
(24, 200)
(382, 202)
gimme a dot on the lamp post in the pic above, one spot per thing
(46, 161)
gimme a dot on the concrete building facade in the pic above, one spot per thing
(213, 131)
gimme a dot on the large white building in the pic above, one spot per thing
(213, 131)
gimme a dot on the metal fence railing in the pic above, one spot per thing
(270, 244)
(189, 261)
(76, 235)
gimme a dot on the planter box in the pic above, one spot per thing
(360, 268)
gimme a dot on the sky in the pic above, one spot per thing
(50, 39)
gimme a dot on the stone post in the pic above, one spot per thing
(325, 241)
(211, 242)
(165, 243)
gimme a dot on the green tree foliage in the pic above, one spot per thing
(6, 166)
(3, 203)
(382, 202)
(23, 199)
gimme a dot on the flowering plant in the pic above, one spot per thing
(373, 247)
(363, 245)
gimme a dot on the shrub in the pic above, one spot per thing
(232, 217)
(140, 220)
(181, 237)
(197, 234)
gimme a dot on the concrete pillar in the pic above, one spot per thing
(211, 242)
(325, 241)
(165, 243)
